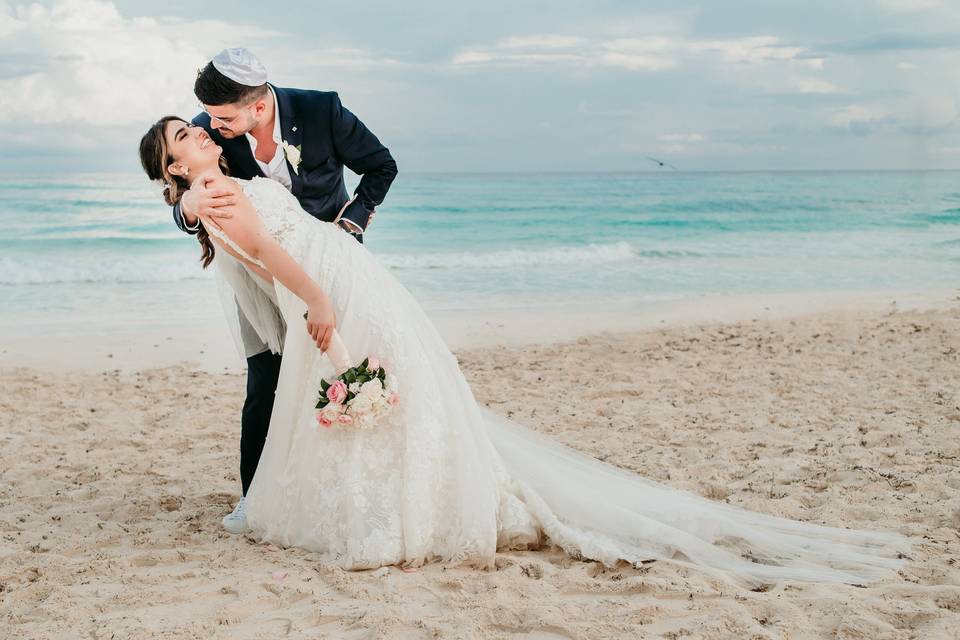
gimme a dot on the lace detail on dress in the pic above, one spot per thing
(449, 479)
(279, 209)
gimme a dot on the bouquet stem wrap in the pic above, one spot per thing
(338, 354)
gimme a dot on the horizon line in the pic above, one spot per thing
(8, 176)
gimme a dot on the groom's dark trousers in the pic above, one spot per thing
(263, 370)
(330, 137)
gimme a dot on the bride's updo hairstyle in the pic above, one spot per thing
(155, 158)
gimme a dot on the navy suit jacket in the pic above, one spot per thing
(330, 137)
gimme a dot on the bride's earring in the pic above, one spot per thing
(186, 171)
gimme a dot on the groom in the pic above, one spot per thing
(302, 139)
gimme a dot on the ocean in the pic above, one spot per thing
(101, 251)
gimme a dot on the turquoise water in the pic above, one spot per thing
(102, 248)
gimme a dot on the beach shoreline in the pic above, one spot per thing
(113, 483)
(207, 345)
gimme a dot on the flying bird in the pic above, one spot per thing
(662, 163)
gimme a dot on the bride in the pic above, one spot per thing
(444, 478)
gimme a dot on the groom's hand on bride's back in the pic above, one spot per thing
(208, 201)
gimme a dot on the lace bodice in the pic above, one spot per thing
(280, 211)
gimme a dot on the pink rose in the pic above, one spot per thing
(345, 418)
(394, 399)
(337, 392)
(373, 363)
(323, 420)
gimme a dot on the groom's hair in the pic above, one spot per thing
(214, 88)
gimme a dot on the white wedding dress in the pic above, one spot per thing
(447, 479)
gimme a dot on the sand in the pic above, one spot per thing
(112, 486)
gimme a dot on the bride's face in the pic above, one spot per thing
(190, 147)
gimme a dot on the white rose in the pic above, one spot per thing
(361, 406)
(391, 382)
(381, 407)
(332, 411)
(354, 387)
(369, 421)
(373, 389)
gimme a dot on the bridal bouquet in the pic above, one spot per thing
(358, 398)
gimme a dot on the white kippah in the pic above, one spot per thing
(241, 66)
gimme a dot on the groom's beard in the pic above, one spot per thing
(229, 134)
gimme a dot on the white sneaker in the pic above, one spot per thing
(236, 522)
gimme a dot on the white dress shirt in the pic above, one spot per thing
(277, 168)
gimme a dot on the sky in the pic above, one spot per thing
(509, 86)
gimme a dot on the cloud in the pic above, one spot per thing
(748, 50)
(910, 116)
(681, 137)
(645, 53)
(601, 86)
(684, 148)
(347, 59)
(634, 54)
(813, 85)
(929, 115)
(859, 118)
(679, 143)
(16, 65)
(91, 66)
(911, 5)
(885, 42)
(541, 42)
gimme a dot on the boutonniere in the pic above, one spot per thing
(293, 155)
